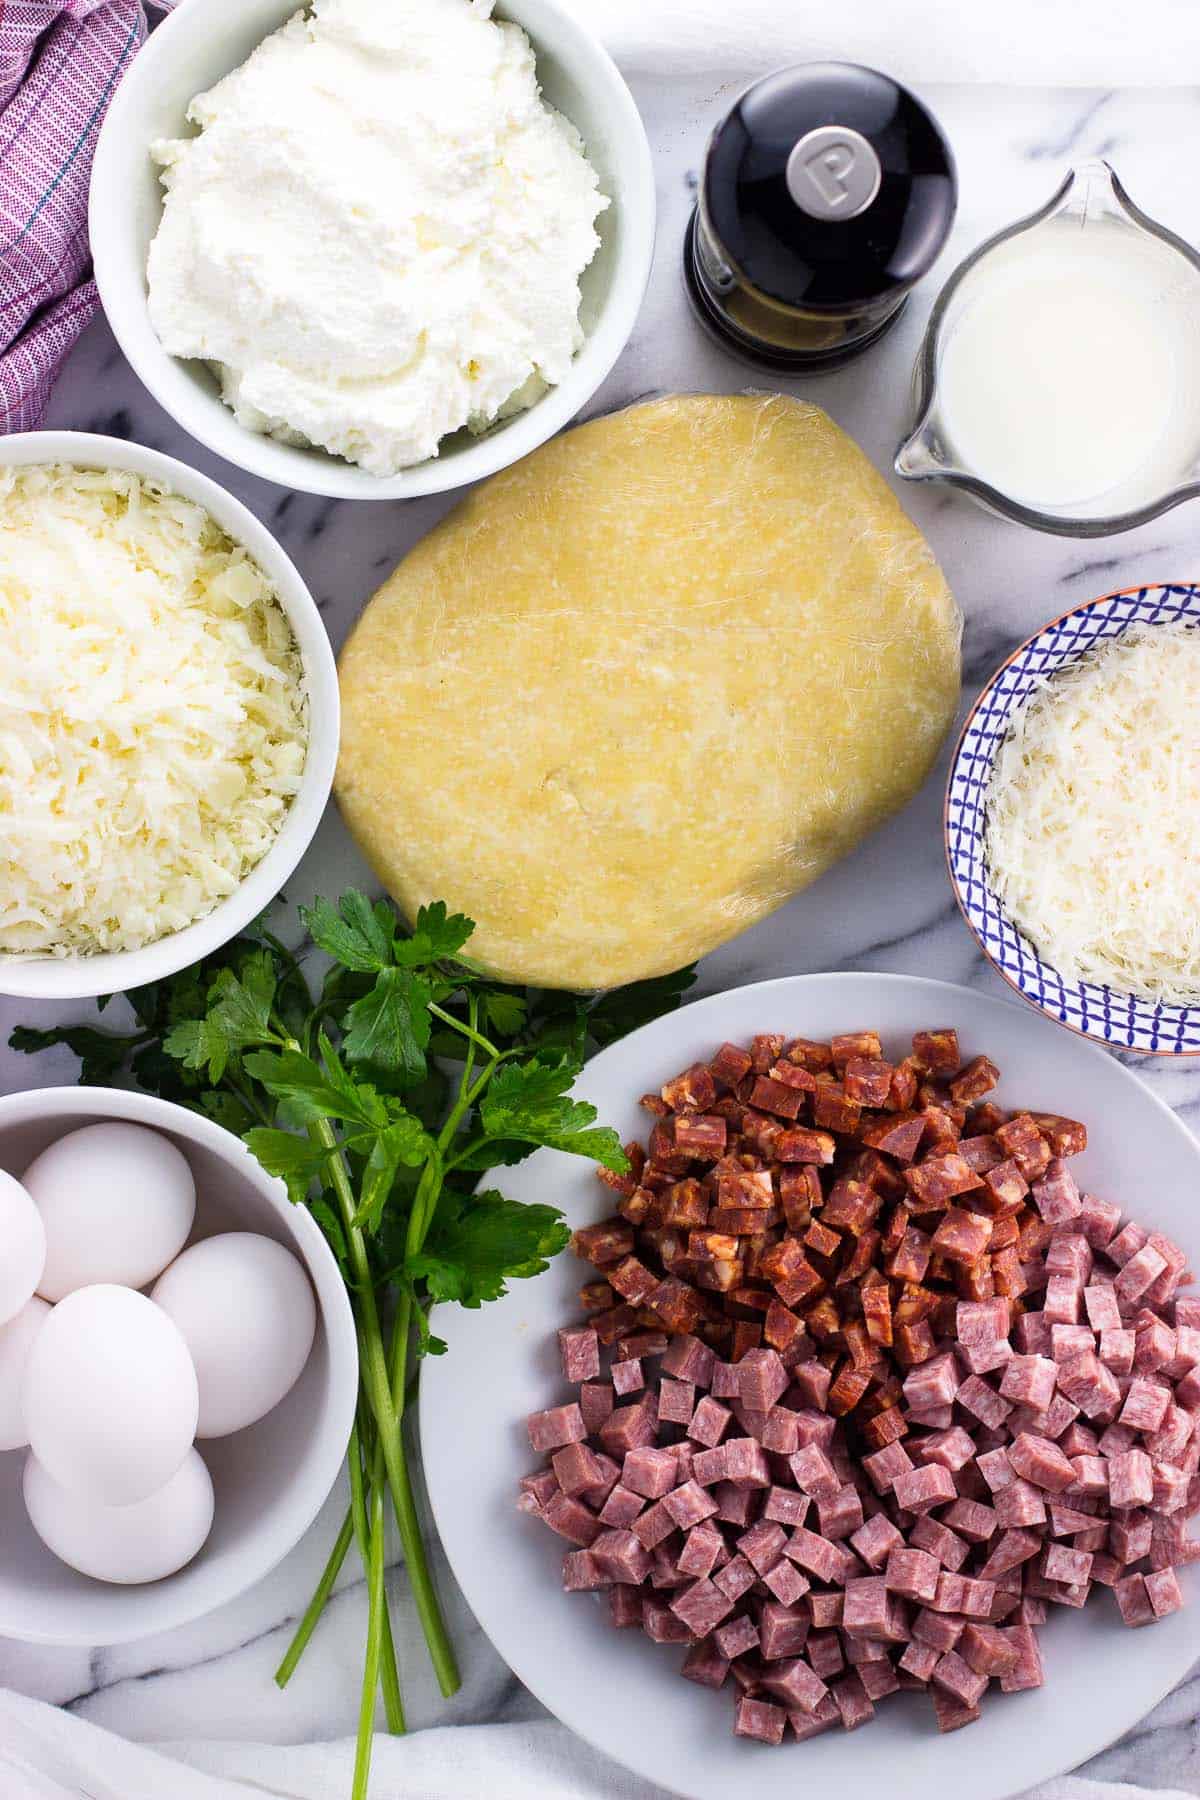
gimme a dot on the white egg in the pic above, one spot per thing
(110, 1395)
(22, 1246)
(142, 1542)
(117, 1202)
(16, 1340)
(247, 1313)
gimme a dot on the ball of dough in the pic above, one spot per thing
(635, 692)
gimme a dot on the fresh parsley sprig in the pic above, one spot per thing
(379, 1091)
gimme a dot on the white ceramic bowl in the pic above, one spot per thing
(79, 977)
(202, 40)
(270, 1479)
(623, 1693)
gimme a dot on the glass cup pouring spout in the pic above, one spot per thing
(1090, 224)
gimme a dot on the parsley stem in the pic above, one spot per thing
(390, 1677)
(376, 1607)
(377, 1386)
(316, 1605)
(468, 1031)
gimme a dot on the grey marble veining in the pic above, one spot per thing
(887, 907)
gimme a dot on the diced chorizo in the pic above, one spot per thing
(1021, 1139)
(938, 1179)
(731, 1064)
(868, 1080)
(852, 1044)
(973, 1081)
(899, 1136)
(961, 1236)
(797, 1144)
(832, 1108)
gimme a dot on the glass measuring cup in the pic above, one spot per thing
(1143, 404)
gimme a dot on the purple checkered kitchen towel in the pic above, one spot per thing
(59, 63)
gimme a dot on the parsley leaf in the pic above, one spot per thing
(528, 1101)
(390, 1025)
(405, 1142)
(623, 1010)
(436, 937)
(239, 1005)
(102, 1054)
(311, 1093)
(357, 935)
(504, 1012)
(479, 1242)
(199, 1044)
(296, 1159)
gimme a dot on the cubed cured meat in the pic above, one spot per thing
(1139, 1273)
(556, 1426)
(972, 1082)
(579, 1348)
(576, 1468)
(762, 1379)
(1117, 1350)
(1029, 1380)
(818, 1556)
(913, 1574)
(1021, 1139)
(1014, 1361)
(798, 1144)
(983, 1402)
(1103, 1312)
(852, 1701)
(875, 1540)
(1056, 1194)
(868, 1080)
(937, 1052)
(1163, 1592)
(1145, 1405)
(980, 1322)
(958, 1679)
(931, 1384)
(883, 1466)
(938, 1179)
(899, 1136)
(920, 1490)
(1040, 1462)
(962, 1237)
(1130, 1480)
(759, 1719)
(1093, 1388)
(1134, 1602)
(840, 1514)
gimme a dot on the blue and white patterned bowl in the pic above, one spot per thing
(1117, 1019)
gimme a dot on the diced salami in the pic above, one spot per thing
(1040, 1462)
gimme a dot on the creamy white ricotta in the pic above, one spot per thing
(378, 233)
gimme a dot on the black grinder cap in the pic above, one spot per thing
(828, 191)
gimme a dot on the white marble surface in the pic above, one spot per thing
(888, 907)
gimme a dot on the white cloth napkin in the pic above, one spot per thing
(1027, 43)
(46, 1754)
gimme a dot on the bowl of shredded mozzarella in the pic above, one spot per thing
(168, 715)
(1073, 820)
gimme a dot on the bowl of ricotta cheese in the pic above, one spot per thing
(372, 248)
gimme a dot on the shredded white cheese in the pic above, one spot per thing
(153, 719)
(1092, 834)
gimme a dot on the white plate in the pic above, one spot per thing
(616, 1688)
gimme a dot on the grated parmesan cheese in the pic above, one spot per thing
(1092, 831)
(153, 719)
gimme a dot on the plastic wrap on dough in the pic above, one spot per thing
(635, 692)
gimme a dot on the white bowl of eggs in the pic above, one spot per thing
(178, 1368)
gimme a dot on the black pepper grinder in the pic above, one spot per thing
(827, 193)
